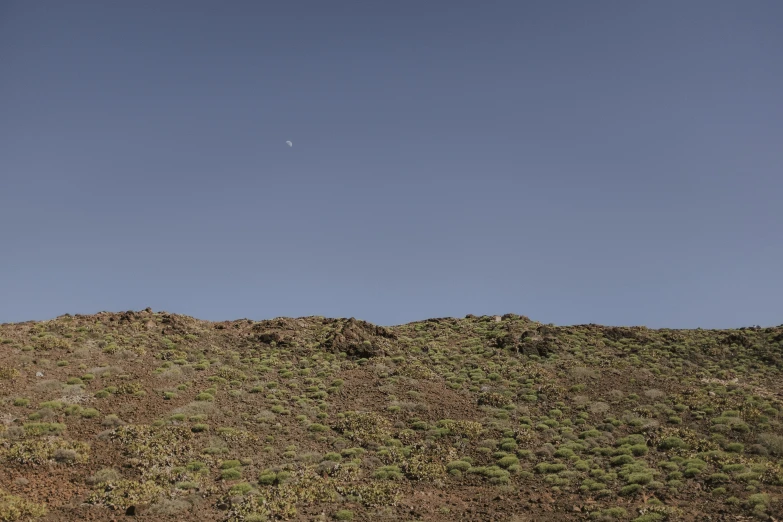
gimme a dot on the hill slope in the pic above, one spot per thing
(166, 417)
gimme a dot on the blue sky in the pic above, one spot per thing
(611, 162)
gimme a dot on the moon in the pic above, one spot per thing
(290, 144)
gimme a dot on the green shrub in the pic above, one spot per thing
(111, 420)
(759, 499)
(241, 488)
(639, 449)
(89, 413)
(668, 466)
(459, 465)
(773, 442)
(621, 460)
(230, 474)
(508, 461)
(672, 443)
(270, 477)
(735, 447)
(630, 489)
(495, 474)
(548, 468)
(43, 428)
(73, 409)
(718, 477)
(195, 465)
(267, 478)
(564, 453)
(388, 473)
(640, 478)
(614, 512)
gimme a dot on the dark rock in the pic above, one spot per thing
(359, 339)
(738, 338)
(269, 337)
(275, 337)
(528, 342)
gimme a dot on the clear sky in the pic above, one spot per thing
(612, 162)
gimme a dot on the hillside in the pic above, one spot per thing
(160, 416)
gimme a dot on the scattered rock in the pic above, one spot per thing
(528, 342)
(737, 338)
(359, 339)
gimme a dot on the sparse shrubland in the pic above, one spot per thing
(480, 417)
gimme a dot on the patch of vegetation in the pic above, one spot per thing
(278, 419)
(7, 373)
(125, 493)
(39, 451)
(43, 428)
(14, 508)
